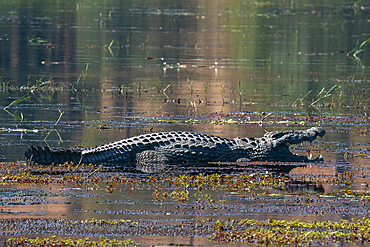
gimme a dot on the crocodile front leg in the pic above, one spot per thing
(150, 161)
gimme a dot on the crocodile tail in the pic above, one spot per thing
(48, 156)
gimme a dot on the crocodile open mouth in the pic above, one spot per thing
(300, 157)
(282, 140)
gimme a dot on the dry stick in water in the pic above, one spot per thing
(96, 170)
(79, 163)
(260, 123)
(20, 121)
(60, 116)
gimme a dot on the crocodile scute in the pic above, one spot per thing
(155, 151)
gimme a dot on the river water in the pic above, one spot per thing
(84, 73)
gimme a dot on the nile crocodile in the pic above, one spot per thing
(153, 152)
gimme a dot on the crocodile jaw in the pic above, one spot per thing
(282, 140)
(291, 157)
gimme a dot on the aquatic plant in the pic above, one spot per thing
(110, 44)
(197, 191)
(24, 97)
(109, 47)
(299, 101)
(82, 75)
(322, 95)
(54, 241)
(39, 84)
(358, 48)
(18, 117)
(205, 86)
(292, 232)
(3, 84)
(229, 230)
(355, 96)
(36, 40)
(240, 93)
(222, 93)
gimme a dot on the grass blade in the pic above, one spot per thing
(17, 101)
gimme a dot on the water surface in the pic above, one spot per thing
(114, 69)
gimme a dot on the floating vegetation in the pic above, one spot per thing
(85, 174)
(36, 40)
(201, 205)
(54, 241)
(269, 232)
(278, 232)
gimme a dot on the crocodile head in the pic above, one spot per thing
(276, 144)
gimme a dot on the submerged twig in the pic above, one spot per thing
(60, 116)
(54, 127)
(164, 91)
(20, 121)
(260, 123)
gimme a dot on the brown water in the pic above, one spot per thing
(117, 69)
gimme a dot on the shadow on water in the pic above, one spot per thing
(76, 73)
